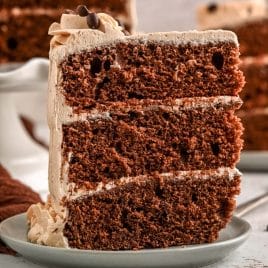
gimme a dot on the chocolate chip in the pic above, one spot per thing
(82, 11)
(69, 11)
(212, 7)
(93, 21)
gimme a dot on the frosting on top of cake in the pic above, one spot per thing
(73, 35)
(230, 13)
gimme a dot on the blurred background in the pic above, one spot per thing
(153, 15)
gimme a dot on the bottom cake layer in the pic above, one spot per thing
(255, 123)
(156, 212)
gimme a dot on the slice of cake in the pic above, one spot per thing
(24, 24)
(248, 19)
(144, 139)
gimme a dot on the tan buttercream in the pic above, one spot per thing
(47, 223)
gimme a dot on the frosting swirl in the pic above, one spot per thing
(73, 23)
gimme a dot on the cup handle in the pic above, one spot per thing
(25, 77)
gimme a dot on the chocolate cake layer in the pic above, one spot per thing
(137, 70)
(24, 37)
(155, 139)
(252, 36)
(153, 213)
(255, 92)
(255, 123)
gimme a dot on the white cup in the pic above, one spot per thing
(24, 158)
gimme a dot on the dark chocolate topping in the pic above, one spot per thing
(93, 21)
(82, 11)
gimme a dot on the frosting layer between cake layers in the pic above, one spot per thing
(105, 148)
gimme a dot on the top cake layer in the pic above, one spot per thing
(230, 13)
(100, 66)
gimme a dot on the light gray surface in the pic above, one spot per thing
(13, 232)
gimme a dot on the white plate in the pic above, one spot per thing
(13, 233)
(254, 160)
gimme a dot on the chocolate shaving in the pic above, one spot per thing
(82, 11)
(93, 21)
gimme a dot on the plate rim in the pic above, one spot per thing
(234, 240)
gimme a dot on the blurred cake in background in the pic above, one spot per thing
(249, 20)
(254, 112)
(24, 23)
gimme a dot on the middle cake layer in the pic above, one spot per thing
(134, 140)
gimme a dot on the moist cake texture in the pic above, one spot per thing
(24, 24)
(144, 137)
(152, 71)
